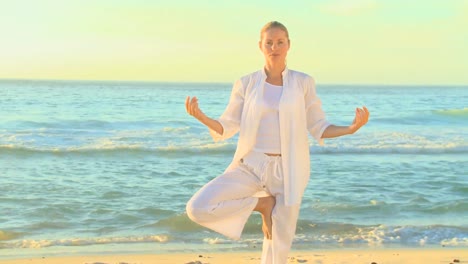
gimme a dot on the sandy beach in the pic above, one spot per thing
(381, 256)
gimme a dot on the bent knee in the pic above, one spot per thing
(196, 212)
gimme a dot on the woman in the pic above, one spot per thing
(273, 110)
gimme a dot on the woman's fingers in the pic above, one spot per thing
(362, 116)
(187, 100)
(366, 110)
(358, 117)
(365, 114)
(191, 106)
(194, 105)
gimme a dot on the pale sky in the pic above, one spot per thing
(339, 42)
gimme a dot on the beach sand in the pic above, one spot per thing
(351, 256)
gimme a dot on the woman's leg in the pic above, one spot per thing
(265, 207)
(225, 203)
(284, 218)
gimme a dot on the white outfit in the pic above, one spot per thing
(268, 138)
(225, 203)
(299, 112)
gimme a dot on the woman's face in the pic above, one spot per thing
(274, 45)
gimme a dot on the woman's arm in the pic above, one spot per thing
(191, 105)
(361, 118)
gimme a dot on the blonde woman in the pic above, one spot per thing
(273, 110)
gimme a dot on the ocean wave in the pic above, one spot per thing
(404, 149)
(352, 235)
(344, 233)
(163, 141)
(42, 243)
(111, 148)
(80, 124)
(177, 223)
(323, 234)
(453, 112)
(335, 233)
(433, 117)
(227, 149)
(8, 235)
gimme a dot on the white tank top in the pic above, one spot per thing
(268, 135)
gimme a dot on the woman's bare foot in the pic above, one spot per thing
(265, 207)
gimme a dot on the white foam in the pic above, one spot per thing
(456, 241)
(217, 240)
(42, 243)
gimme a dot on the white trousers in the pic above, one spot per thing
(225, 203)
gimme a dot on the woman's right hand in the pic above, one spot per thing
(191, 106)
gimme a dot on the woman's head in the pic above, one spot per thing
(274, 42)
(273, 24)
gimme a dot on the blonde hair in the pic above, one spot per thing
(273, 24)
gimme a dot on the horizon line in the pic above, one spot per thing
(216, 82)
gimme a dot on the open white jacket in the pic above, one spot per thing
(300, 113)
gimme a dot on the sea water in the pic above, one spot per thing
(90, 166)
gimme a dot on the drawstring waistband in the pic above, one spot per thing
(259, 163)
(277, 168)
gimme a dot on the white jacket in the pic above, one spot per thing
(300, 112)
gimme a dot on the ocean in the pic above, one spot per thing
(109, 166)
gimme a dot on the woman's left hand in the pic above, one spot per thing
(361, 118)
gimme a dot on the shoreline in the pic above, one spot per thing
(445, 255)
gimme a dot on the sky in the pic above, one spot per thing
(408, 42)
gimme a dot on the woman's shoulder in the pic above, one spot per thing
(247, 78)
(300, 75)
(302, 80)
(254, 74)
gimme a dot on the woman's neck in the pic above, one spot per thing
(275, 73)
(274, 70)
